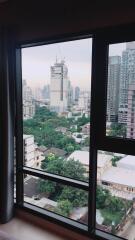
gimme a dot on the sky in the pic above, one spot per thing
(36, 62)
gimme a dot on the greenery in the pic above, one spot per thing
(64, 208)
(43, 127)
(114, 160)
(61, 166)
(86, 142)
(112, 208)
(117, 129)
(67, 197)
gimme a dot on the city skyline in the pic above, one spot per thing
(36, 62)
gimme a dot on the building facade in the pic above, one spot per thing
(84, 102)
(113, 88)
(59, 87)
(28, 102)
(28, 150)
(131, 112)
(127, 79)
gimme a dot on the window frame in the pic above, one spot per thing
(98, 139)
(20, 169)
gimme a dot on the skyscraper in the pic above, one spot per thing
(77, 93)
(127, 79)
(131, 112)
(113, 88)
(28, 104)
(59, 87)
(46, 92)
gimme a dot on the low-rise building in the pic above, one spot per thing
(120, 182)
(127, 162)
(82, 157)
(103, 163)
(56, 151)
(28, 150)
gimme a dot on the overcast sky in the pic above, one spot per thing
(36, 61)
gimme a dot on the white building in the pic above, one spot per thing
(127, 78)
(127, 162)
(120, 182)
(28, 104)
(84, 101)
(59, 87)
(28, 150)
(103, 163)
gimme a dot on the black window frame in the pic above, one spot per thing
(98, 139)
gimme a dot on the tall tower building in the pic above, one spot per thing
(46, 92)
(113, 88)
(59, 87)
(131, 112)
(28, 104)
(127, 79)
(77, 93)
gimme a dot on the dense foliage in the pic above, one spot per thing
(44, 124)
(117, 129)
(67, 197)
(111, 207)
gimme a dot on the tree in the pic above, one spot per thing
(117, 129)
(61, 166)
(46, 186)
(114, 160)
(78, 197)
(69, 148)
(113, 208)
(64, 208)
(69, 168)
(103, 197)
(87, 142)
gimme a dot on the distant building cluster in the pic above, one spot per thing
(121, 89)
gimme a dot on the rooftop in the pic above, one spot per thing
(127, 162)
(83, 157)
(119, 176)
(25, 136)
(103, 159)
(58, 152)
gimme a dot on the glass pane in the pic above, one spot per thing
(115, 194)
(67, 201)
(121, 91)
(56, 107)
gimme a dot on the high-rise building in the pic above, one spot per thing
(37, 94)
(113, 88)
(59, 87)
(84, 102)
(131, 112)
(46, 92)
(28, 104)
(77, 93)
(127, 79)
(70, 95)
